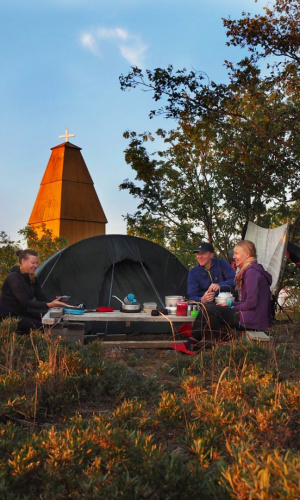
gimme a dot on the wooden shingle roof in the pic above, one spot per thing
(67, 201)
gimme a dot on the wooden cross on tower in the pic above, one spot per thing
(67, 135)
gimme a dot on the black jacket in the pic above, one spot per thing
(19, 294)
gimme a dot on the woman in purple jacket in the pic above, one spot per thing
(22, 296)
(251, 312)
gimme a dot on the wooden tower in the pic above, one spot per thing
(67, 202)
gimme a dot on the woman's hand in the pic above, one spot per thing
(224, 303)
(56, 303)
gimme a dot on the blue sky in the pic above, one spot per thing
(60, 67)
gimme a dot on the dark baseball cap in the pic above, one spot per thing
(204, 247)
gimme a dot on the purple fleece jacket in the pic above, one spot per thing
(255, 304)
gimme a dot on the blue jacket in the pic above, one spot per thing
(199, 279)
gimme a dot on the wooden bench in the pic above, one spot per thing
(257, 336)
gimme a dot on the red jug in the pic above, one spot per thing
(182, 308)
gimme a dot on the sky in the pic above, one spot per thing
(60, 68)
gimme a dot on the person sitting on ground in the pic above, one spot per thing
(209, 276)
(251, 312)
(22, 296)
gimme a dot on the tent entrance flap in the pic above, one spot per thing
(153, 286)
(129, 277)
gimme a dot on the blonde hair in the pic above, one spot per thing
(248, 246)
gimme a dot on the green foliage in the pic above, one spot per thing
(234, 155)
(45, 244)
(8, 257)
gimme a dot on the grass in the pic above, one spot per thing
(81, 422)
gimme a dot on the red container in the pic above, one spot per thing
(182, 308)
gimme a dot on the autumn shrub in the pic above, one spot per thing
(132, 414)
(266, 476)
(99, 460)
(40, 376)
(170, 409)
(220, 430)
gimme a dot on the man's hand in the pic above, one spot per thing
(214, 287)
(209, 296)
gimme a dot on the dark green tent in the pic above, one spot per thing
(93, 270)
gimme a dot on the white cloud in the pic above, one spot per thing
(88, 41)
(130, 46)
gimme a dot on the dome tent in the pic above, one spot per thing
(94, 269)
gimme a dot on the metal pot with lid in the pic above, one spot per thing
(224, 298)
(171, 300)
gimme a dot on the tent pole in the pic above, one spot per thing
(51, 270)
(152, 284)
(110, 292)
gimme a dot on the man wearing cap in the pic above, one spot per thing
(209, 276)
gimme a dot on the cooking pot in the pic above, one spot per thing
(130, 308)
(171, 300)
(224, 297)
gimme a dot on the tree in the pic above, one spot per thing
(179, 198)
(274, 34)
(45, 245)
(235, 153)
(8, 257)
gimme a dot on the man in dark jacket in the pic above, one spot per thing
(209, 276)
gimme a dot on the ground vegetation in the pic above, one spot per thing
(87, 421)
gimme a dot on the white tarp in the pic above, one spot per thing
(270, 246)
